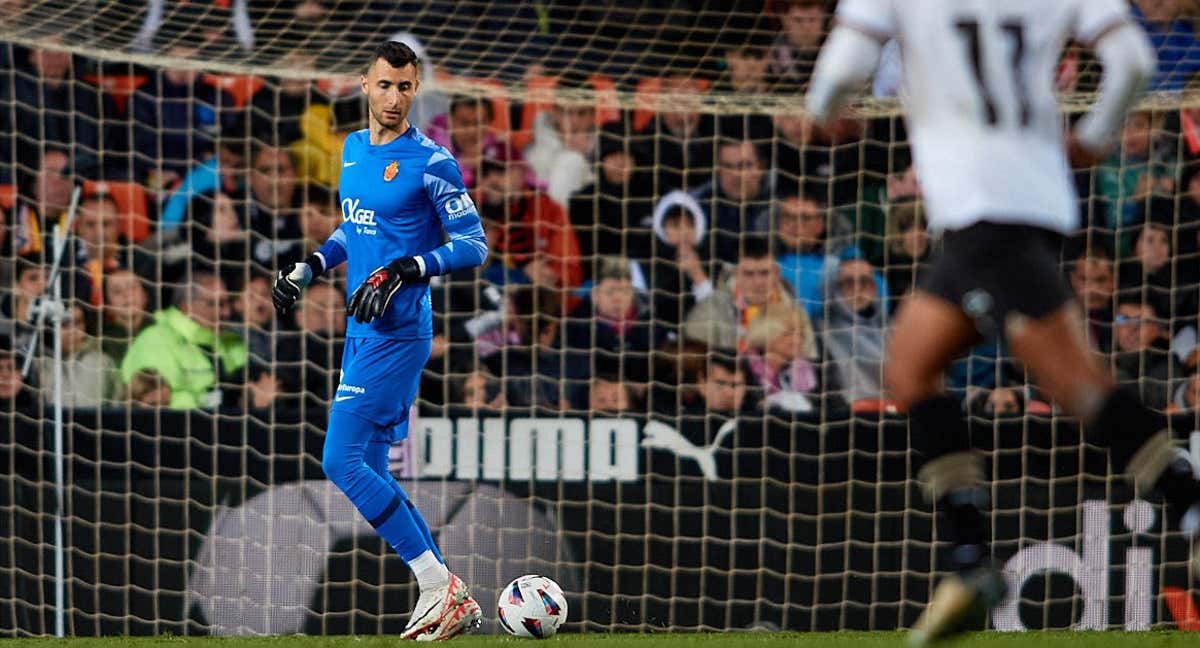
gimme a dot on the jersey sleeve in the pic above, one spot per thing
(875, 18)
(333, 251)
(1095, 17)
(467, 246)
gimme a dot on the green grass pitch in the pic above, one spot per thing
(1063, 639)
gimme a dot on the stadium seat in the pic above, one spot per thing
(874, 406)
(540, 90)
(607, 104)
(118, 86)
(501, 119)
(8, 196)
(241, 88)
(645, 99)
(131, 200)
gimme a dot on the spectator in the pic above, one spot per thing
(679, 139)
(720, 320)
(720, 388)
(1150, 271)
(175, 118)
(607, 215)
(814, 159)
(782, 355)
(854, 332)
(805, 251)
(265, 391)
(148, 388)
(214, 240)
(1142, 354)
(29, 284)
(608, 395)
(1187, 394)
(1134, 173)
(530, 237)
(277, 108)
(256, 317)
(320, 215)
(274, 208)
(16, 395)
(208, 23)
(1173, 34)
(466, 131)
(54, 106)
(223, 171)
(563, 148)
(1094, 283)
(611, 332)
(99, 250)
(1004, 401)
(678, 273)
(908, 248)
(794, 52)
(747, 69)
(90, 376)
(480, 390)
(325, 127)
(125, 311)
(310, 355)
(185, 347)
(518, 347)
(737, 199)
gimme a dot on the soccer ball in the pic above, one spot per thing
(532, 606)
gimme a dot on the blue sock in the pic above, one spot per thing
(377, 459)
(383, 505)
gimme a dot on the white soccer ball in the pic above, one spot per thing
(532, 607)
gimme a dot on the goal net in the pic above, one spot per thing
(663, 389)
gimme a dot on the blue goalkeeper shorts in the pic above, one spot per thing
(380, 379)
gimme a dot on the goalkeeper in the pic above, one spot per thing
(398, 191)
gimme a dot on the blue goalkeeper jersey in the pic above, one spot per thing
(397, 200)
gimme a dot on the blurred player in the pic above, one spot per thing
(399, 191)
(987, 140)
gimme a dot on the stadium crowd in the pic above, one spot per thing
(690, 263)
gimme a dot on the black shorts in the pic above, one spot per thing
(991, 271)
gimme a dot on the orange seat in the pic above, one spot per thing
(874, 406)
(539, 97)
(608, 106)
(646, 99)
(8, 196)
(240, 88)
(131, 200)
(118, 86)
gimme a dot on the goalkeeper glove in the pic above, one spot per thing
(370, 301)
(291, 280)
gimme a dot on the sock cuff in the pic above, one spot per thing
(1149, 461)
(955, 471)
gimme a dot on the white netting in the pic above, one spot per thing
(575, 418)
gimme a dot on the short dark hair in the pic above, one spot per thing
(396, 54)
(755, 247)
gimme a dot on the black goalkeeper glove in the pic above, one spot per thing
(370, 301)
(291, 280)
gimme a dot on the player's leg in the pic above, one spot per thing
(377, 459)
(467, 614)
(929, 333)
(1056, 353)
(347, 442)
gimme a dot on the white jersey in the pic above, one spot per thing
(983, 118)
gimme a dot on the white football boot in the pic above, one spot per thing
(434, 607)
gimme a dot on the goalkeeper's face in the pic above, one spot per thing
(390, 93)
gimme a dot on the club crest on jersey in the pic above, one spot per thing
(390, 171)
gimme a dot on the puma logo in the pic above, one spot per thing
(664, 437)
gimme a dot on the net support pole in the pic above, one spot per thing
(59, 550)
(52, 306)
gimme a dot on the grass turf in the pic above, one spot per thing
(663, 640)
